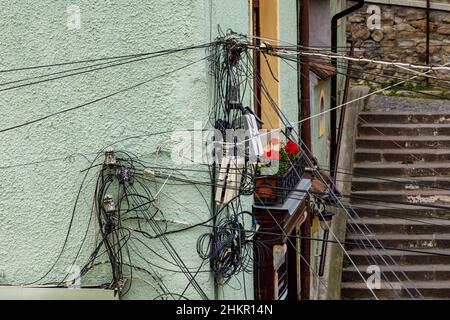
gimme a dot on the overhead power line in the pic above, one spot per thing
(134, 55)
(98, 99)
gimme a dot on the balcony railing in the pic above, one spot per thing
(275, 189)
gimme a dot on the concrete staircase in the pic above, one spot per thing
(401, 156)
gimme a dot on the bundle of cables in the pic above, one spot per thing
(228, 247)
(121, 194)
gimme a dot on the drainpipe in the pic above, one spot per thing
(305, 106)
(305, 129)
(334, 93)
(428, 39)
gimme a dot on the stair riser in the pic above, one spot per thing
(403, 229)
(388, 294)
(442, 200)
(402, 144)
(402, 244)
(404, 118)
(361, 157)
(353, 276)
(373, 146)
(389, 131)
(397, 186)
(392, 213)
(401, 172)
(419, 259)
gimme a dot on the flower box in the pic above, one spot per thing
(274, 189)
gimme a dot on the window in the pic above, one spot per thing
(322, 114)
(281, 281)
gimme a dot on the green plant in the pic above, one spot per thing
(346, 262)
(286, 161)
(288, 154)
(366, 108)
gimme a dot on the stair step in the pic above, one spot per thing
(405, 129)
(411, 106)
(430, 197)
(399, 299)
(401, 226)
(393, 183)
(377, 169)
(379, 209)
(405, 117)
(407, 142)
(402, 241)
(395, 272)
(354, 290)
(425, 257)
(400, 155)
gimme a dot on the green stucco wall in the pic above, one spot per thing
(321, 144)
(36, 201)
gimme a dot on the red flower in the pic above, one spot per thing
(272, 155)
(291, 147)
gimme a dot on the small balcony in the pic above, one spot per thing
(281, 210)
(273, 190)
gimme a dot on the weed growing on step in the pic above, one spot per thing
(346, 262)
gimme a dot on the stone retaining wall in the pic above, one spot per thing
(399, 36)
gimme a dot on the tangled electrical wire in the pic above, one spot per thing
(132, 199)
(228, 247)
(128, 218)
(126, 209)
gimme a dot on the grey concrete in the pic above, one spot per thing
(388, 103)
(331, 281)
(294, 199)
(403, 128)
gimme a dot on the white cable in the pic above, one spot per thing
(273, 104)
(339, 106)
(333, 55)
(391, 63)
(332, 233)
(157, 194)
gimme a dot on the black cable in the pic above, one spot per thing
(108, 65)
(105, 58)
(96, 100)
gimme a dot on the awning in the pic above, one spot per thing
(323, 70)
